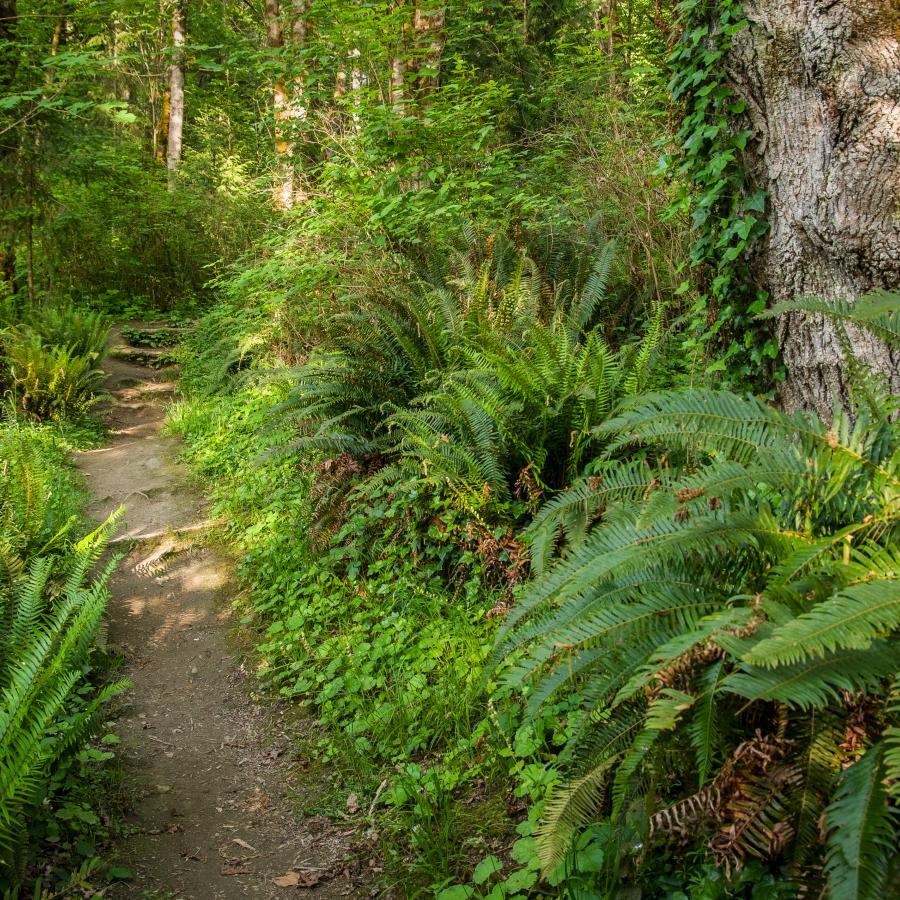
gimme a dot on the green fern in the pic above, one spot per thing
(862, 832)
(735, 599)
(44, 649)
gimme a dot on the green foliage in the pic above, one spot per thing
(50, 381)
(725, 217)
(51, 361)
(38, 499)
(81, 331)
(489, 378)
(46, 716)
(719, 619)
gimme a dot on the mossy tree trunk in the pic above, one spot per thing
(821, 80)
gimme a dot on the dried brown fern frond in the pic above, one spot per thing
(744, 803)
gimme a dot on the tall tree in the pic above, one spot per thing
(8, 65)
(400, 61)
(821, 80)
(283, 187)
(299, 105)
(176, 90)
(429, 38)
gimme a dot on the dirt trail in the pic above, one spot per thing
(208, 769)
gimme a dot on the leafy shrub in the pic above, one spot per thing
(489, 375)
(50, 381)
(732, 622)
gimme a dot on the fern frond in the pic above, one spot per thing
(852, 619)
(862, 831)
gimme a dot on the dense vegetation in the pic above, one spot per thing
(53, 595)
(483, 377)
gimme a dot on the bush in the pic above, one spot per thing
(82, 331)
(50, 381)
(45, 646)
(732, 629)
(38, 497)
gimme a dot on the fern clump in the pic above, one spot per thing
(487, 377)
(728, 606)
(45, 645)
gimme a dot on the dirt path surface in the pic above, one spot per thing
(208, 769)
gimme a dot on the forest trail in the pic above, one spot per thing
(207, 769)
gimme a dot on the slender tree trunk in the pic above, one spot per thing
(821, 79)
(29, 226)
(398, 83)
(299, 111)
(399, 64)
(283, 187)
(59, 31)
(162, 140)
(429, 38)
(8, 64)
(176, 90)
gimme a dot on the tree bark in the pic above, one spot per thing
(399, 63)
(821, 80)
(429, 37)
(299, 111)
(176, 90)
(283, 187)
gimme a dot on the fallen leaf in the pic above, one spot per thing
(306, 879)
(353, 804)
(244, 844)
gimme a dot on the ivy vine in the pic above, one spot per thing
(726, 216)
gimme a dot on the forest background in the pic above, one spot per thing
(583, 560)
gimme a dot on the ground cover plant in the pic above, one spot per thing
(52, 608)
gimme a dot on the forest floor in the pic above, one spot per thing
(209, 768)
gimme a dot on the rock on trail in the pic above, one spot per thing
(208, 770)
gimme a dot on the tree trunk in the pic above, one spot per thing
(398, 84)
(399, 63)
(429, 37)
(299, 111)
(161, 143)
(821, 79)
(176, 90)
(283, 187)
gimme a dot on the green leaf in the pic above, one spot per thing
(861, 832)
(488, 867)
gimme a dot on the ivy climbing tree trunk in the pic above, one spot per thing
(176, 90)
(821, 80)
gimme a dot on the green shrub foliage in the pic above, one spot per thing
(731, 623)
